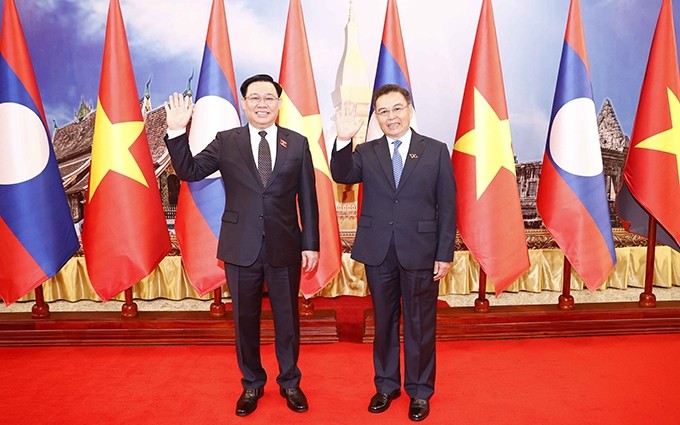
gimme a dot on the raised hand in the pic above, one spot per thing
(347, 124)
(178, 110)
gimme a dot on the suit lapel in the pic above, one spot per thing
(282, 140)
(384, 159)
(243, 144)
(415, 152)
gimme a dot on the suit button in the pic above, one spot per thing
(396, 201)
(391, 223)
(260, 216)
(264, 195)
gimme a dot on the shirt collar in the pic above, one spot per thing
(405, 139)
(255, 132)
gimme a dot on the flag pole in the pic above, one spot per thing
(647, 298)
(481, 303)
(40, 309)
(129, 309)
(566, 301)
(217, 307)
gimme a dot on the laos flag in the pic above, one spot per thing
(571, 194)
(200, 204)
(392, 67)
(37, 236)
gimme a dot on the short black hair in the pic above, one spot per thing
(390, 88)
(260, 77)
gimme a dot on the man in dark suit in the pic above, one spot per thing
(405, 238)
(268, 177)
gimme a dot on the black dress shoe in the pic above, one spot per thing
(381, 401)
(295, 398)
(418, 409)
(247, 403)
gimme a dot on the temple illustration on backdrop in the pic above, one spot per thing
(352, 84)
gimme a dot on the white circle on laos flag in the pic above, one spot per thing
(24, 150)
(212, 114)
(574, 142)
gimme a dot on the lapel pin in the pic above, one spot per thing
(283, 143)
(413, 155)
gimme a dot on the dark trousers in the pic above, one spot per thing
(246, 287)
(391, 288)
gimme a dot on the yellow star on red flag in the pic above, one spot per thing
(489, 142)
(309, 126)
(667, 141)
(111, 149)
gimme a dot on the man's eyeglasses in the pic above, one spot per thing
(397, 110)
(255, 99)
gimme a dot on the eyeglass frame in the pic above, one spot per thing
(396, 110)
(255, 99)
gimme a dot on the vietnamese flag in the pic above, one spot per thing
(300, 112)
(651, 175)
(489, 214)
(124, 231)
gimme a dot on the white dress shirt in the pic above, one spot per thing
(271, 141)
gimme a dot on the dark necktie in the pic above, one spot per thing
(264, 159)
(397, 163)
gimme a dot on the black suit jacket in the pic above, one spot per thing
(421, 212)
(252, 210)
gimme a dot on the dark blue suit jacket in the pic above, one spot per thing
(421, 213)
(252, 209)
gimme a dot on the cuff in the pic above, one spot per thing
(176, 133)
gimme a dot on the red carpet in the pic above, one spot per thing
(603, 380)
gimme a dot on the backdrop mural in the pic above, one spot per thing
(65, 39)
